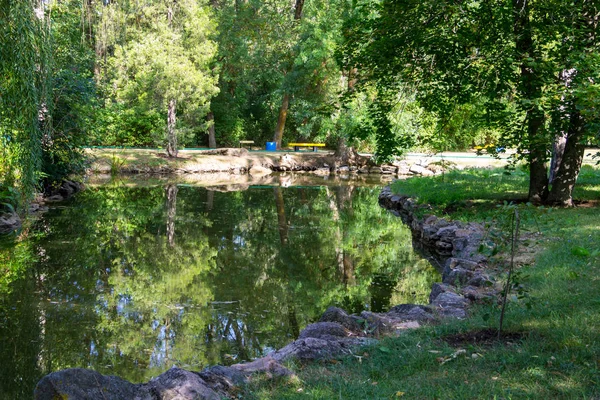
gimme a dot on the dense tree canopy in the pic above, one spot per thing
(531, 65)
(383, 76)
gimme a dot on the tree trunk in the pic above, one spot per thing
(285, 102)
(538, 175)
(558, 150)
(530, 89)
(212, 141)
(283, 110)
(570, 165)
(171, 135)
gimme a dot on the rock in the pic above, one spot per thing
(391, 323)
(449, 299)
(267, 365)
(459, 244)
(259, 170)
(451, 305)
(175, 384)
(378, 324)
(315, 349)
(69, 188)
(480, 280)
(213, 383)
(419, 170)
(412, 312)
(79, 383)
(223, 380)
(447, 233)
(443, 248)
(436, 168)
(55, 198)
(403, 170)
(478, 294)
(322, 171)
(325, 330)
(399, 163)
(388, 169)
(454, 262)
(439, 288)
(453, 312)
(457, 277)
(9, 222)
(335, 314)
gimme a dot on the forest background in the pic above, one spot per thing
(380, 76)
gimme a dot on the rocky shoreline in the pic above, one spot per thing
(11, 221)
(241, 161)
(464, 281)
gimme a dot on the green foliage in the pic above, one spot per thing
(164, 57)
(24, 68)
(119, 125)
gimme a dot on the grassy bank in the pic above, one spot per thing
(556, 352)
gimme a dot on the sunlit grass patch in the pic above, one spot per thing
(463, 190)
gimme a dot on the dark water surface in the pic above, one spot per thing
(130, 280)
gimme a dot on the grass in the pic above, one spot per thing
(473, 195)
(558, 356)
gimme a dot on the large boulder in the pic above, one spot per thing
(79, 383)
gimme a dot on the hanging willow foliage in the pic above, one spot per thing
(25, 54)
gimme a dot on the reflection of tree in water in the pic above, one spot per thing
(314, 248)
(244, 273)
(171, 212)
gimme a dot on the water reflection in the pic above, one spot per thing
(132, 280)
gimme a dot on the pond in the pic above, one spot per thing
(130, 279)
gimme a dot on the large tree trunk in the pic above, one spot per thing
(171, 135)
(530, 89)
(212, 140)
(558, 150)
(570, 165)
(283, 110)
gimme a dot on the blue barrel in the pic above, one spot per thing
(271, 146)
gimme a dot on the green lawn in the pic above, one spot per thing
(558, 356)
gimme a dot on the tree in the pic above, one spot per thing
(278, 70)
(164, 62)
(507, 56)
(24, 89)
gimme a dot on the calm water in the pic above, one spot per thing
(132, 280)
